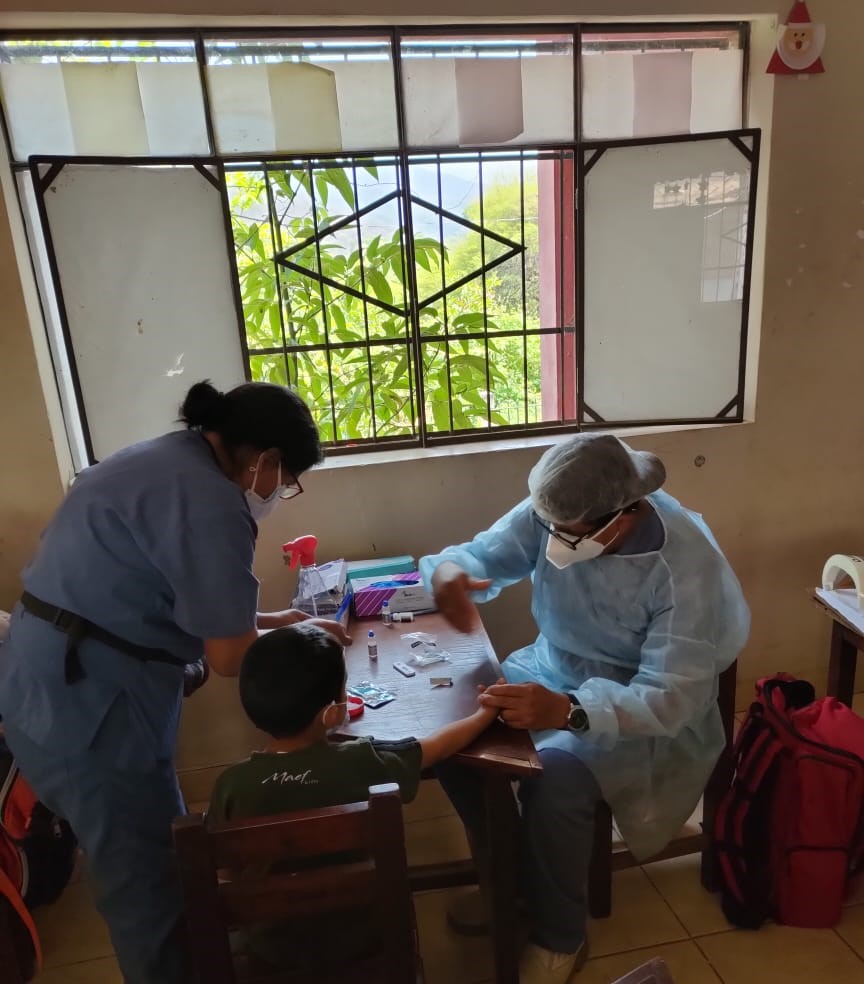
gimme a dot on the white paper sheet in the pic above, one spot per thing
(844, 601)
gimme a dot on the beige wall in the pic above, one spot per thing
(781, 494)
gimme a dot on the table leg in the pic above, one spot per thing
(502, 833)
(841, 666)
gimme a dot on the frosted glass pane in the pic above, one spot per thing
(240, 104)
(430, 90)
(665, 241)
(108, 98)
(105, 108)
(659, 82)
(305, 107)
(34, 100)
(302, 95)
(662, 93)
(607, 95)
(486, 91)
(146, 281)
(173, 108)
(717, 80)
(367, 123)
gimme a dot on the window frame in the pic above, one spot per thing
(571, 373)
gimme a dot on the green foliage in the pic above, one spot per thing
(353, 359)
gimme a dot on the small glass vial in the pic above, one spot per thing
(372, 646)
(386, 616)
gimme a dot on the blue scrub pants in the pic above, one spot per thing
(122, 816)
(556, 834)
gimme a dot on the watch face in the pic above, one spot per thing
(578, 720)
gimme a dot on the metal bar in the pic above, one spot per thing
(580, 205)
(485, 305)
(472, 276)
(43, 182)
(443, 295)
(592, 160)
(409, 239)
(276, 236)
(341, 223)
(729, 406)
(669, 139)
(592, 413)
(373, 415)
(345, 288)
(406, 324)
(562, 299)
(461, 220)
(201, 58)
(323, 301)
(399, 340)
(744, 41)
(233, 266)
(61, 310)
(207, 175)
(745, 150)
(748, 271)
(524, 291)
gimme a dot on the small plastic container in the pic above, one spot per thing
(386, 616)
(372, 646)
(401, 616)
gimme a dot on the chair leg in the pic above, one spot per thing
(600, 870)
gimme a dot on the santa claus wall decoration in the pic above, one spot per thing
(799, 45)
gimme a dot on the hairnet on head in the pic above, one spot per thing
(589, 476)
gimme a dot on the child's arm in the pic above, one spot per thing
(454, 737)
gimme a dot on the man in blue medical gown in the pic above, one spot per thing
(639, 612)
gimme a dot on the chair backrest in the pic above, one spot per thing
(371, 831)
(653, 972)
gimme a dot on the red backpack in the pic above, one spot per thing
(789, 832)
(37, 856)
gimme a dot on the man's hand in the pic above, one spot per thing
(336, 629)
(452, 589)
(527, 706)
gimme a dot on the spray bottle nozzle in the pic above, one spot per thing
(301, 550)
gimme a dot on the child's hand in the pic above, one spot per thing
(484, 710)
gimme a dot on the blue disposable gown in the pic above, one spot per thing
(640, 639)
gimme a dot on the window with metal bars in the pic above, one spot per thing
(433, 237)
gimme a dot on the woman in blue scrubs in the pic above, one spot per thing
(145, 567)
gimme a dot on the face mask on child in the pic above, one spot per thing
(341, 716)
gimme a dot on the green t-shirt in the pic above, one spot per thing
(327, 774)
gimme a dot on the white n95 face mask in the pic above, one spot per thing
(258, 505)
(560, 555)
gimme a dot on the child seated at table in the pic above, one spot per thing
(292, 686)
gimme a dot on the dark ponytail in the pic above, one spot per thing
(203, 407)
(258, 416)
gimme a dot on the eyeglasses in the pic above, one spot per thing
(573, 541)
(292, 488)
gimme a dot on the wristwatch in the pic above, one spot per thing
(577, 719)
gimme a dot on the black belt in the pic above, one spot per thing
(77, 629)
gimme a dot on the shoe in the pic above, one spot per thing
(469, 914)
(540, 966)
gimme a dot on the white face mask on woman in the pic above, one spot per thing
(258, 505)
(562, 554)
(342, 716)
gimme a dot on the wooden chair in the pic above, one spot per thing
(374, 881)
(607, 858)
(653, 972)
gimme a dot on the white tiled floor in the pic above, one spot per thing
(659, 910)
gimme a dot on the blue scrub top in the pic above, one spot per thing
(156, 545)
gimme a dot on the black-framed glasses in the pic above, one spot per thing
(292, 489)
(573, 540)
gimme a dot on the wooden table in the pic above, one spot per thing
(846, 643)
(500, 755)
